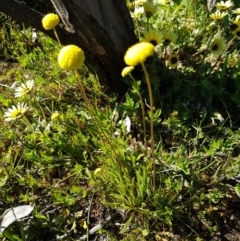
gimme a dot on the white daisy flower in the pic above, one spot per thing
(224, 5)
(24, 88)
(15, 112)
(138, 12)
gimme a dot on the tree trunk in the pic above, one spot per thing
(103, 29)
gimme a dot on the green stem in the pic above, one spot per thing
(41, 111)
(143, 118)
(88, 105)
(137, 27)
(25, 119)
(151, 122)
(55, 32)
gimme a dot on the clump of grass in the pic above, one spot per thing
(73, 156)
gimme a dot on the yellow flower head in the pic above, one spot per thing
(168, 37)
(127, 70)
(71, 57)
(224, 5)
(149, 9)
(212, 27)
(55, 116)
(173, 61)
(50, 21)
(218, 15)
(153, 36)
(138, 53)
(218, 46)
(130, 6)
(232, 60)
(235, 24)
(237, 33)
(85, 225)
(236, 11)
(15, 112)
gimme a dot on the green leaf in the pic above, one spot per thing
(126, 225)
(3, 176)
(40, 216)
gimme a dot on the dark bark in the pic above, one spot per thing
(103, 29)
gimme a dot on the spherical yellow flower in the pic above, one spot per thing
(127, 70)
(153, 36)
(50, 21)
(218, 46)
(55, 116)
(138, 53)
(71, 57)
